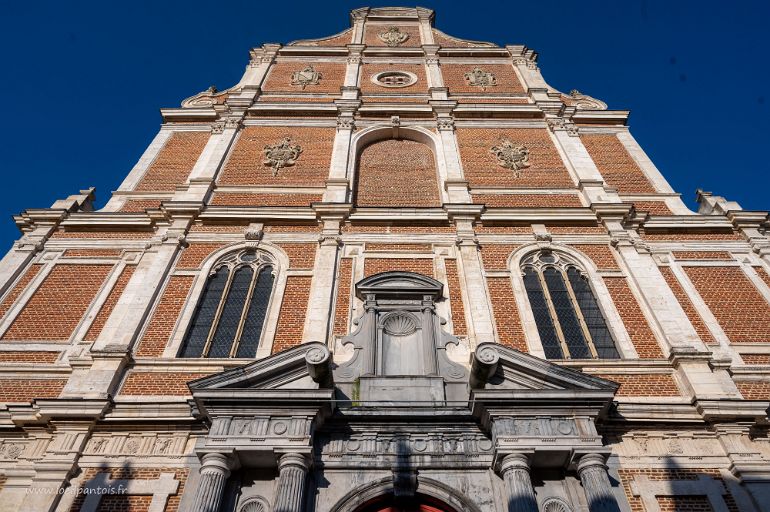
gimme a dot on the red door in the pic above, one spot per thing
(418, 505)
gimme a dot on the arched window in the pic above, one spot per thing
(568, 318)
(229, 318)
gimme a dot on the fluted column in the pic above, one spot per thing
(215, 470)
(596, 483)
(292, 469)
(521, 495)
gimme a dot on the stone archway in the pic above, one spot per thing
(419, 503)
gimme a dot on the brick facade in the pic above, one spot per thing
(165, 315)
(633, 319)
(174, 162)
(617, 167)
(416, 184)
(292, 317)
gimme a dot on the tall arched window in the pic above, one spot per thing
(568, 318)
(230, 315)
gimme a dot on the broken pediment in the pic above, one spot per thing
(399, 284)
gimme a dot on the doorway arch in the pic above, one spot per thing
(431, 493)
(420, 503)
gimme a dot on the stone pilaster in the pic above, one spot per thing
(596, 483)
(215, 470)
(292, 468)
(514, 469)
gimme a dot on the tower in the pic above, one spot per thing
(389, 269)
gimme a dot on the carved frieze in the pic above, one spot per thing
(393, 37)
(511, 156)
(282, 154)
(137, 445)
(305, 77)
(436, 444)
(480, 78)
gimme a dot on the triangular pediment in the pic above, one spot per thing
(517, 370)
(285, 370)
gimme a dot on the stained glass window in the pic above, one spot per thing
(568, 318)
(229, 318)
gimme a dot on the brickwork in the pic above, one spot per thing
(455, 298)
(505, 77)
(341, 39)
(390, 99)
(132, 502)
(702, 255)
(756, 358)
(106, 310)
(495, 256)
(139, 205)
(301, 256)
(196, 253)
(655, 384)
(422, 266)
(26, 390)
(684, 504)
(291, 319)
(653, 207)
(387, 228)
(577, 230)
(397, 173)
(369, 87)
(689, 308)
(762, 273)
(628, 307)
(546, 169)
(507, 320)
(690, 236)
(28, 356)
(615, 164)
(447, 41)
(740, 309)
(245, 165)
(627, 476)
(344, 294)
(164, 317)
(296, 98)
(754, 390)
(601, 255)
(528, 200)
(371, 246)
(248, 199)
(19, 287)
(372, 31)
(173, 164)
(482, 229)
(104, 235)
(92, 253)
(279, 78)
(141, 383)
(58, 305)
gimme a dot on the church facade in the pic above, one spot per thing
(389, 270)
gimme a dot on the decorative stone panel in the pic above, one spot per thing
(372, 35)
(506, 80)
(280, 77)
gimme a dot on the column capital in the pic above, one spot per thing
(591, 460)
(217, 461)
(296, 460)
(512, 461)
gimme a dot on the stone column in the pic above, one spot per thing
(215, 470)
(515, 471)
(292, 468)
(596, 483)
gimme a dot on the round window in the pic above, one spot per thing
(394, 79)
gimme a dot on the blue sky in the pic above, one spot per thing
(83, 81)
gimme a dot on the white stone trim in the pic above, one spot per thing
(160, 489)
(643, 161)
(274, 306)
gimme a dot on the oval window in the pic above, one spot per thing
(394, 79)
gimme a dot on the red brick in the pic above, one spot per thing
(422, 266)
(301, 256)
(740, 309)
(495, 256)
(164, 317)
(174, 162)
(92, 253)
(248, 199)
(19, 287)
(28, 356)
(142, 383)
(455, 298)
(686, 303)
(291, 319)
(507, 319)
(655, 384)
(642, 337)
(371, 35)
(194, 255)
(279, 77)
(104, 313)
(26, 390)
(616, 165)
(702, 255)
(344, 294)
(601, 255)
(505, 77)
(58, 305)
(528, 200)
(397, 173)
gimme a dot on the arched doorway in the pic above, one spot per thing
(419, 503)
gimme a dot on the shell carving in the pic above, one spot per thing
(399, 325)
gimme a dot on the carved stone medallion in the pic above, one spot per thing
(511, 156)
(480, 78)
(283, 154)
(393, 36)
(308, 76)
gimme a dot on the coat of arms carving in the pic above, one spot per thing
(480, 78)
(511, 156)
(308, 76)
(393, 36)
(283, 154)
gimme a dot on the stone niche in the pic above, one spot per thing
(399, 346)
